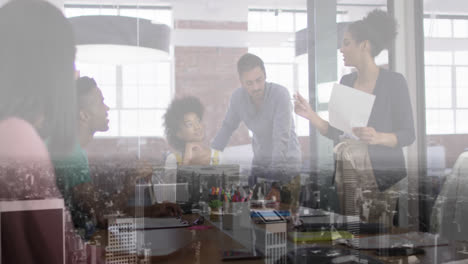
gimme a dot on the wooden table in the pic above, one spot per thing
(208, 245)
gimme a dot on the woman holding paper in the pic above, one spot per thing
(373, 153)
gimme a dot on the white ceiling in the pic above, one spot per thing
(362, 2)
(439, 6)
(257, 3)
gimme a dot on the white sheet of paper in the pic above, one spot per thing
(349, 107)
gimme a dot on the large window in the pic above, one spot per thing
(446, 77)
(281, 64)
(137, 94)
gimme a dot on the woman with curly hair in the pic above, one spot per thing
(373, 156)
(185, 132)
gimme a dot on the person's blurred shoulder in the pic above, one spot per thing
(20, 140)
(26, 171)
(279, 89)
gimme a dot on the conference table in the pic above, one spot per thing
(208, 244)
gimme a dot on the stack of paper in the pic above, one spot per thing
(349, 107)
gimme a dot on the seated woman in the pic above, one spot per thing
(185, 133)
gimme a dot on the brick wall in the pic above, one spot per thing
(454, 145)
(206, 72)
(210, 74)
(150, 149)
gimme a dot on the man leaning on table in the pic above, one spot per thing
(266, 110)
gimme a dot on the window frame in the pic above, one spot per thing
(454, 65)
(119, 106)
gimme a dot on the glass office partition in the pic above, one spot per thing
(446, 64)
(327, 23)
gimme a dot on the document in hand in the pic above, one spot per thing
(349, 107)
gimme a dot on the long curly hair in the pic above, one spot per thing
(378, 27)
(174, 118)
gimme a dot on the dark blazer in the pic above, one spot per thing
(391, 113)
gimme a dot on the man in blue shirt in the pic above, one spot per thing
(266, 110)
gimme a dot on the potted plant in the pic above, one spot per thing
(215, 206)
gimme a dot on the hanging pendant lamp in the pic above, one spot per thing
(119, 39)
